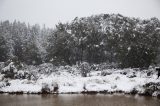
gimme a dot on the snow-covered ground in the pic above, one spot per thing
(71, 81)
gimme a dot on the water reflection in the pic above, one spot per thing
(77, 100)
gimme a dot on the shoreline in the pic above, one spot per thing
(81, 93)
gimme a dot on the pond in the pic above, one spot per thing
(77, 100)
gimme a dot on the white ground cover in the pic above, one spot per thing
(73, 82)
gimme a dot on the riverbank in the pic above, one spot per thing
(66, 80)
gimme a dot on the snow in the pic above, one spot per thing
(8, 67)
(69, 31)
(129, 48)
(73, 83)
(20, 86)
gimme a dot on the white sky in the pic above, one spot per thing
(50, 12)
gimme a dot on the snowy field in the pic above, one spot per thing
(69, 80)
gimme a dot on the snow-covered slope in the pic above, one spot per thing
(69, 80)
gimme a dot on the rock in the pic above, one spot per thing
(50, 88)
(149, 73)
(114, 86)
(134, 91)
(45, 88)
(104, 73)
(124, 73)
(117, 78)
(55, 87)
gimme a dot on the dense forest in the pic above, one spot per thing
(105, 38)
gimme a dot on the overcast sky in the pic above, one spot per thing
(50, 12)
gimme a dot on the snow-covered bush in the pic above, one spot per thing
(10, 70)
(95, 67)
(84, 68)
(103, 66)
(22, 74)
(15, 69)
(156, 94)
(151, 87)
(46, 68)
(74, 70)
(2, 84)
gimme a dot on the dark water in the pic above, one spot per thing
(77, 100)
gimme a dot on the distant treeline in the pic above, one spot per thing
(105, 38)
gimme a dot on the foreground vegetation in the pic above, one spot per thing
(47, 78)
